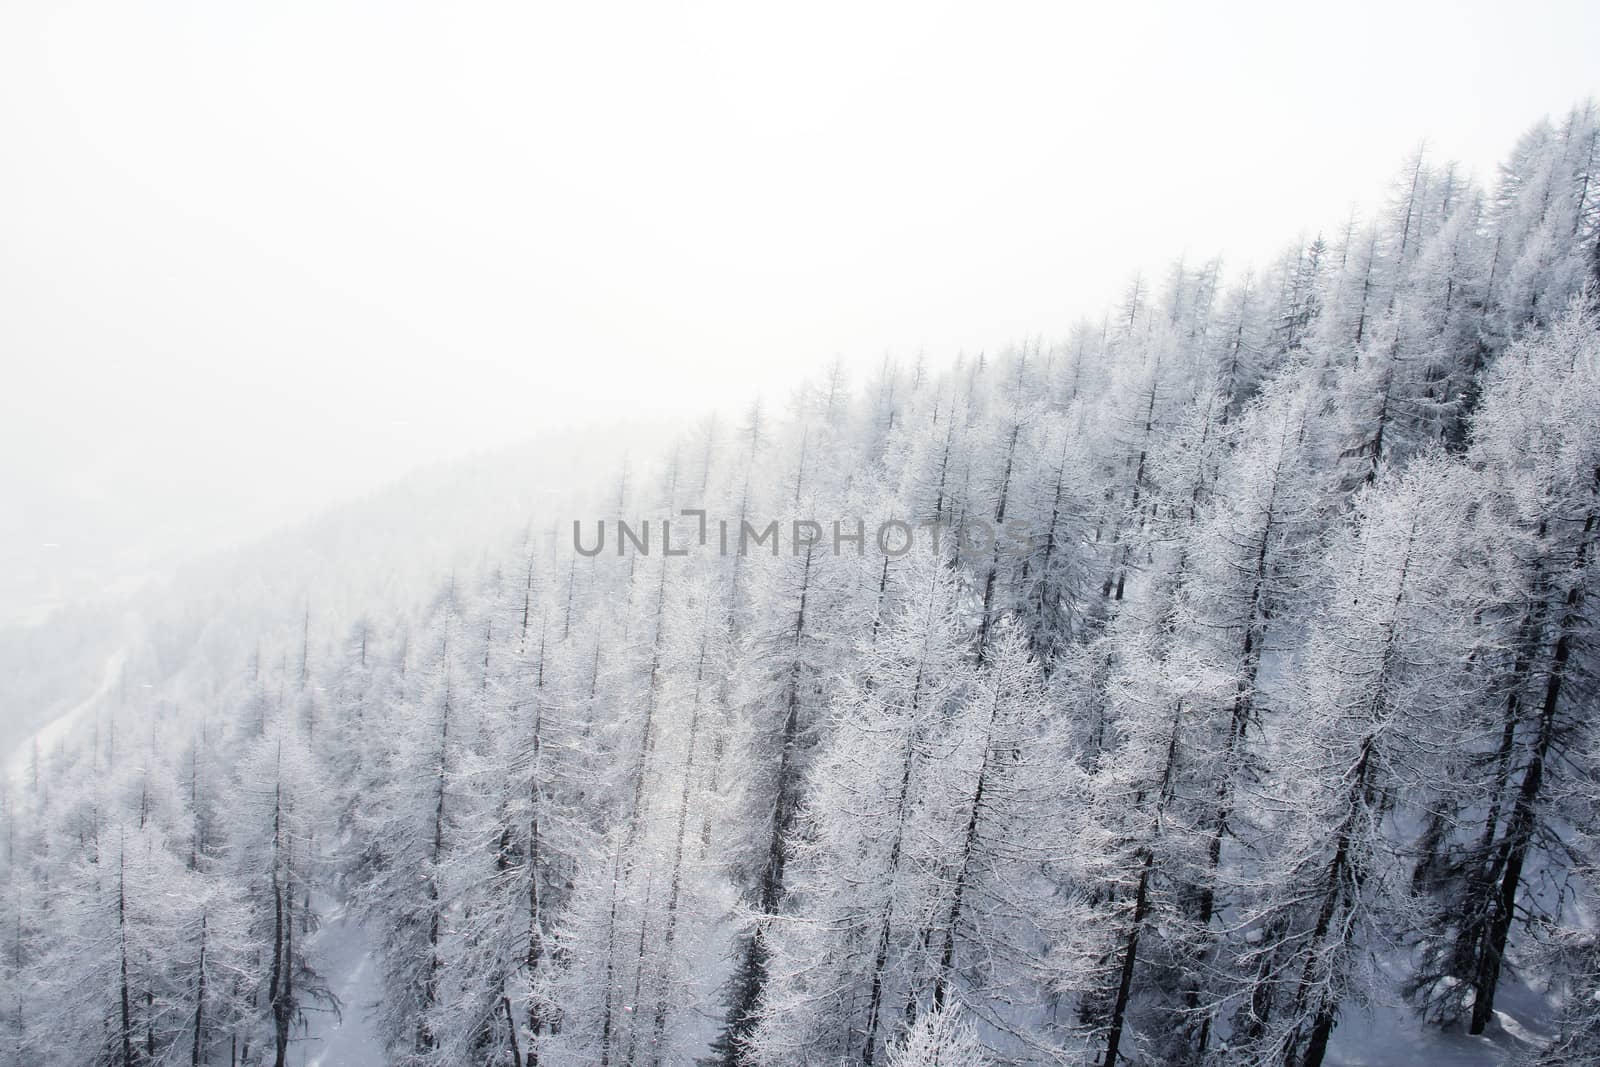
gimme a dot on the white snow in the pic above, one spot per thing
(1389, 1034)
(59, 728)
(342, 952)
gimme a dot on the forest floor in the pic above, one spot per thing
(344, 955)
(53, 731)
(1388, 1033)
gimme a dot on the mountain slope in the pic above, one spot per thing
(1212, 685)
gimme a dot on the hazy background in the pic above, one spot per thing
(255, 258)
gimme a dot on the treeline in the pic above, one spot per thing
(1287, 703)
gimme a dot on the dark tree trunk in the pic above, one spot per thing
(1130, 954)
(200, 1000)
(1524, 813)
(122, 935)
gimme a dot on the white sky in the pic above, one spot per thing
(255, 257)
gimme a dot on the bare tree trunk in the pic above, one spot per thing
(660, 1022)
(535, 954)
(750, 976)
(1130, 954)
(122, 941)
(1141, 901)
(968, 845)
(1511, 859)
(986, 620)
(875, 997)
(635, 812)
(200, 999)
(511, 1029)
(1524, 814)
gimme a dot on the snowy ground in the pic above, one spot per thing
(343, 954)
(1391, 1035)
(58, 729)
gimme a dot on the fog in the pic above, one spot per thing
(255, 259)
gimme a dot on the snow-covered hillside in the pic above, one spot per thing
(1214, 684)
